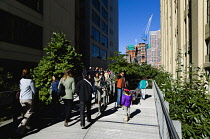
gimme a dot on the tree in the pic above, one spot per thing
(60, 55)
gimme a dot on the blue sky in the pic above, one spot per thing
(133, 19)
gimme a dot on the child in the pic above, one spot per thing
(126, 102)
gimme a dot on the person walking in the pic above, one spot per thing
(54, 93)
(27, 91)
(84, 90)
(142, 86)
(96, 79)
(126, 102)
(68, 81)
(121, 84)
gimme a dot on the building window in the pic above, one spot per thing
(95, 34)
(111, 21)
(36, 5)
(95, 51)
(104, 27)
(20, 31)
(104, 41)
(95, 18)
(96, 4)
(105, 2)
(103, 54)
(111, 43)
(104, 13)
(111, 8)
(111, 31)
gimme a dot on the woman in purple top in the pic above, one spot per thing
(126, 102)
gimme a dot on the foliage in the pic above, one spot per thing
(132, 70)
(6, 82)
(59, 57)
(188, 103)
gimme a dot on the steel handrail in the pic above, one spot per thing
(169, 122)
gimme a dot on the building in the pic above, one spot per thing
(97, 31)
(137, 53)
(27, 26)
(154, 53)
(185, 34)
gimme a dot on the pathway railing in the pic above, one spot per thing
(166, 125)
(105, 94)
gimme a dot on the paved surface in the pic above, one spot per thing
(109, 125)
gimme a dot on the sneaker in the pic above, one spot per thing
(82, 126)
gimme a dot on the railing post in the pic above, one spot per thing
(99, 101)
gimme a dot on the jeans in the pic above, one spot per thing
(68, 107)
(82, 112)
(119, 95)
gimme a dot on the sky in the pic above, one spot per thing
(133, 19)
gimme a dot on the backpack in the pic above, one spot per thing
(61, 90)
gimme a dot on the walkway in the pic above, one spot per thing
(109, 125)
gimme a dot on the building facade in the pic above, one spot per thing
(27, 26)
(154, 53)
(97, 38)
(185, 34)
(137, 53)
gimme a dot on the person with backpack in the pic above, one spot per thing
(142, 86)
(68, 82)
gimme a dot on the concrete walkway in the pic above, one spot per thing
(109, 125)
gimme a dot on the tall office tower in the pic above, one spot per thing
(137, 53)
(96, 30)
(26, 27)
(154, 53)
(185, 34)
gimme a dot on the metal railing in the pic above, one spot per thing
(167, 128)
(105, 94)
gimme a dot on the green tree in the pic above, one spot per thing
(6, 81)
(60, 55)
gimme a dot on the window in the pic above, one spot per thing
(111, 31)
(104, 27)
(95, 18)
(105, 2)
(20, 31)
(103, 54)
(36, 5)
(111, 43)
(96, 4)
(104, 41)
(111, 21)
(95, 51)
(111, 8)
(104, 14)
(95, 34)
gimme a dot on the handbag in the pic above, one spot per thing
(61, 90)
